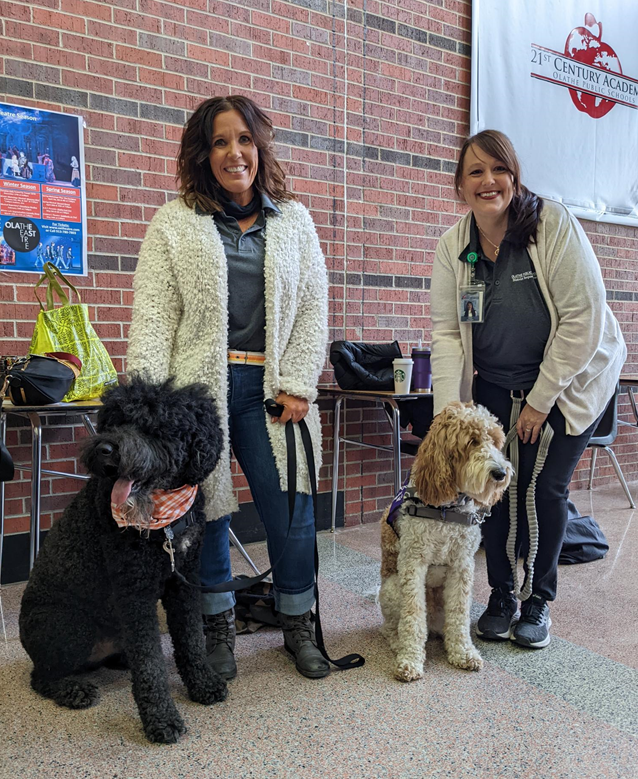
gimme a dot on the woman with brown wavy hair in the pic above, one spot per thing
(545, 335)
(231, 290)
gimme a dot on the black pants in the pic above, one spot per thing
(551, 496)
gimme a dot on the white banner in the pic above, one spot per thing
(560, 78)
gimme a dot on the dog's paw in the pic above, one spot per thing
(406, 671)
(207, 687)
(469, 659)
(74, 693)
(165, 731)
(84, 695)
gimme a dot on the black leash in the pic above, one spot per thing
(274, 409)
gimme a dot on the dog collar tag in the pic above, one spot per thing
(167, 546)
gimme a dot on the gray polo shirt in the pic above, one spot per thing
(508, 346)
(245, 253)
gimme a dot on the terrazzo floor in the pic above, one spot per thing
(567, 712)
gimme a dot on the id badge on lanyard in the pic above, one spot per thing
(472, 296)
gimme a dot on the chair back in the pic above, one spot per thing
(607, 428)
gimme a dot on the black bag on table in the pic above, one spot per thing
(363, 366)
(40, 379)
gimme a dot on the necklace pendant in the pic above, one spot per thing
(496, 251)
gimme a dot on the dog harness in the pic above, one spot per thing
(168, 507)
(408, 502)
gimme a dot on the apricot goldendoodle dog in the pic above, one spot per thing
(430, 538)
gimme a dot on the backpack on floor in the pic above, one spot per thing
(584, 540)
(255, 607)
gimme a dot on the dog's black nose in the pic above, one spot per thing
(498, 474)
(105, 449)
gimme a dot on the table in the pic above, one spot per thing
(35, 414)
(384, 399)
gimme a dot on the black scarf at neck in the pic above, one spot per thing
(240, 212)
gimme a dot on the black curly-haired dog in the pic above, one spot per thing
(92, 595)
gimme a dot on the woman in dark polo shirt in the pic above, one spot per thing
(231, 290)
(544, 334)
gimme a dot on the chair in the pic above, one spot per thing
(605, 435)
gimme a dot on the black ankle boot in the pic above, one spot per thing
(219, 630)
(300, 641)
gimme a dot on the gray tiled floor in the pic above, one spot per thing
(568, 711)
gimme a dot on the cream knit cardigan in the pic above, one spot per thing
(585, 351)
(180, 322)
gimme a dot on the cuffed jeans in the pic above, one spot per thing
(552, 491)
(294, 575)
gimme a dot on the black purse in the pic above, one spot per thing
(362, 366)
(40, 379)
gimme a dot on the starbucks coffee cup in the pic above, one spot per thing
(402, 367)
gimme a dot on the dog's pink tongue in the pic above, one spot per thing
(121, 491)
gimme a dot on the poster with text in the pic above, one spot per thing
(42, 191)
(560, 78)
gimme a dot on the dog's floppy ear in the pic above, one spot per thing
(495, 430)
(433, 467)
(206, 439)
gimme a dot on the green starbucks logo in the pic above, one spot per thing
(399, 375)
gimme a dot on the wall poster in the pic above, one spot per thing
(42, 191)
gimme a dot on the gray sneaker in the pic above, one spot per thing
(532, 629)
(495, 622)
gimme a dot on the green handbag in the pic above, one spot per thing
(68, 329)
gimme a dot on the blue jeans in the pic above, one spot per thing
(294, 575)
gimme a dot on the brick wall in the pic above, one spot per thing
(370, 101)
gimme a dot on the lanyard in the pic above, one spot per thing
(472, 259)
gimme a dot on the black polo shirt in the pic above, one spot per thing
(508, 346)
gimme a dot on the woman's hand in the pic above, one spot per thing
(529, 423)
(294, 408)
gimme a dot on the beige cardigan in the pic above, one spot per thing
(585, 351)
(180, 322)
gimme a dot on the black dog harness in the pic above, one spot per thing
(408, 502)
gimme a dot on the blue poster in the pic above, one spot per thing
(42, 191)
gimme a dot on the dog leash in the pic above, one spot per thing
(275, 409)
(512, 442)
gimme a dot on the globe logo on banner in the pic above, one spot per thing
(589, 68)
(21, 234)
(583, 46)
